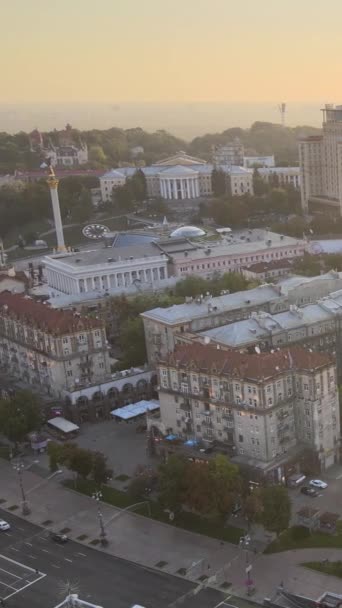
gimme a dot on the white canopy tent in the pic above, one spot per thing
(135, 409)
(63, 425)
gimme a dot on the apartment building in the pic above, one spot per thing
(264, 407)
(320, 159)
(229, 154)
(164, 326)
(53, 350)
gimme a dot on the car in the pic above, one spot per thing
(318, 483)
(4, 525)
(309, 491)
(58, 538)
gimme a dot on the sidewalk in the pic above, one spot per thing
(149, 542)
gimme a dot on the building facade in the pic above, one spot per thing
(250, 162)
(320, 159)
(282, 176)
(52, 350)
(263, 407)
(179, 177)
(105, 269)
(229, 154)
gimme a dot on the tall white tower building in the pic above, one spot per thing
(320, 159)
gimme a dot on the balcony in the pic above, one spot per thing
(207, 422)
(185, 405)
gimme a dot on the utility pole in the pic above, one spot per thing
(103, 536)
(18, 467)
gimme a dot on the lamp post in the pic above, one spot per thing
(244, 544)
(103, 536)
(19, 466)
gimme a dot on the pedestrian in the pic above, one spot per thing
(37, 571)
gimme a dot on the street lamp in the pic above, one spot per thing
(244, 543)
(103, 536)
(25, 509)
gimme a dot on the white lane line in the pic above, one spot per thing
(25, 586)
(42, 537)
(22, 529)
(55, 566)
(32, 556)
(28, 544)
(13, 549)
(10, 573)
(79, 553)
(45, 551)
(6, 585)
(8, 534)
(68, 560)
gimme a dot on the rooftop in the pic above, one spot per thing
(262, 324)
(199, 308)
(43, 317)
(105, 255)
(206, 358)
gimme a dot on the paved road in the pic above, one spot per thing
(99, 577)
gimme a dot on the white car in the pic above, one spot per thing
(4, 525)
(318, 483)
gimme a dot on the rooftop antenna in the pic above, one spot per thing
(282, 111)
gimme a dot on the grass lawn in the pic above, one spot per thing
(295, 538)
(185, 520)
(332, 568)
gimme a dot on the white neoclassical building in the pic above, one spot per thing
(105, 269)
(179, 177)
(179, 182)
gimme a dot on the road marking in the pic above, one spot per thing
(55, 566)
(11, 573)
(42, 537)
(79, 553)
(22, 529)
(32, 556)
(68, 560)
(25, 586)
(339, 476)
(8, 534)
(45, 551)
(13, 549)
(28, 544)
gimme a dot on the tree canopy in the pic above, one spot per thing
(276, 508)
(19, 416)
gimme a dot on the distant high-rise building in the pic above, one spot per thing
(230, 154)
(320, 159)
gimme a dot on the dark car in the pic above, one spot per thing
(309, 491)
(58, 538)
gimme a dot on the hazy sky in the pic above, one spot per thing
(170, 50)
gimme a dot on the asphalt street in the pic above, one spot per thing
(96, 576)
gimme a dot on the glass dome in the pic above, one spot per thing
(187, 231)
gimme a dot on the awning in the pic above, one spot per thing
(63, 425)
(135, 409)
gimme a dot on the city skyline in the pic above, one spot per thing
(215, 51)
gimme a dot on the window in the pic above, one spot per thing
(241, 438)
(69, 373)
(306, 387)
(101, 365)
(65, 340)
(164, 372)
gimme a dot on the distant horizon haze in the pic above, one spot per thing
(183, 119)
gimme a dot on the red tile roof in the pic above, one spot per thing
(209, 359)
(42, 316)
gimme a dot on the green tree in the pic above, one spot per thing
(137, 186)
(132, 342)
(78, 460)
(123, 198)
(171, 483)
(224, 484)
(199, 489)
(308, 265)
(253, 507)
(260, 187)
(192, 286)
(19, 416)
(276, 509)
(100, 472)
(218, 182)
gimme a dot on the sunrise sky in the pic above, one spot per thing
(170, 50)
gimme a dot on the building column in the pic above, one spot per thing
(168, 188)
(162, 188)
(182, 188)
(197, 188)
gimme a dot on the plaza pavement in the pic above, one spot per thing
(148, 542)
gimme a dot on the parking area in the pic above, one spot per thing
(15, 577)
(329, 499)
(122, 443)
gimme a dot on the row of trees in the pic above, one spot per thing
(85, 464)
(19, 416)
(213, 490)
(32, 203)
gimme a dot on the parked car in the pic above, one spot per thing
(4, 525)
(309, 491)
(58, 538)
(318, 483)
